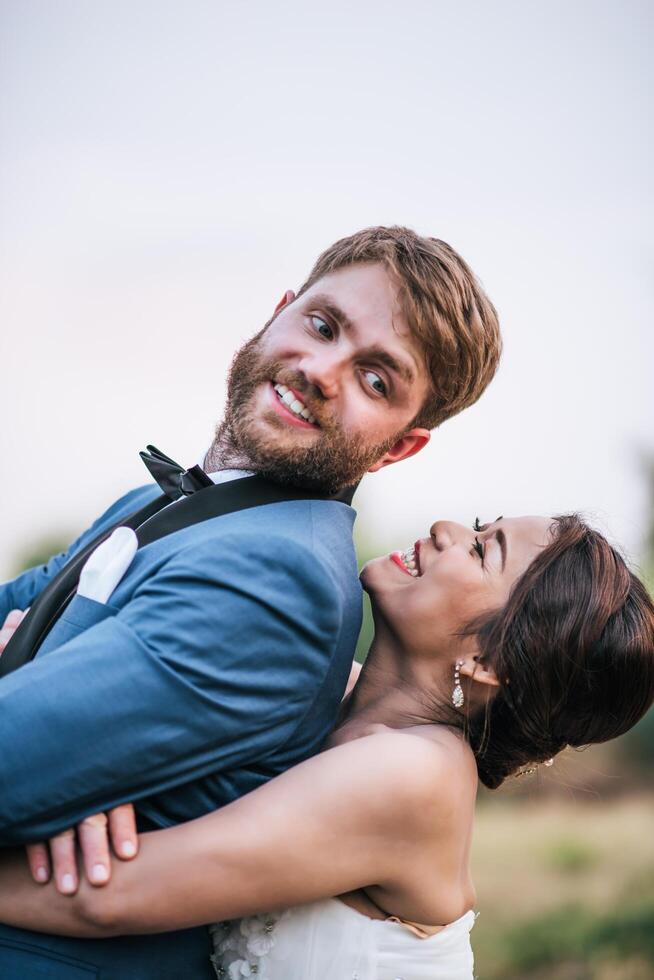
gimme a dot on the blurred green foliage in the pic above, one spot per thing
(365, 551)
(578, 935)
(367, 632)
(40, 551)
(565, 889)
(570, 855)
(637, 746)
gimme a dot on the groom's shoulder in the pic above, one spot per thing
(306, 534)
(118, 511)
(131, 501)
(321, 528)
(303, 517)
(259, 556)
(285, 554)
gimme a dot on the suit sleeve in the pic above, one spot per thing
(23, 590)
(213, 663)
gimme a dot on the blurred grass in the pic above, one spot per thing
(565, 889)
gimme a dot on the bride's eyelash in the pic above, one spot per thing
(476, 526)
(479, 548)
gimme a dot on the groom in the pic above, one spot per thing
(221, 657)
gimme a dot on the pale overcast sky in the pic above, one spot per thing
(167, 170)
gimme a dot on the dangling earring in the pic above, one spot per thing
(457, 693)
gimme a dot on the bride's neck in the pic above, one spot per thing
(391, 692)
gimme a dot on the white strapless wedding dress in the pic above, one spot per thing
(328, 940)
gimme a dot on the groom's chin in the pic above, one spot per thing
(265, 438)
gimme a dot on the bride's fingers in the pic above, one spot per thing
(62, 853)
(38, 859)
(93, 837)
(13, 619)
(10, 625)
(122, 830)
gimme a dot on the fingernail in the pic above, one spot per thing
(99, 874)
(67, 884)
(41, 874)
(128, 848)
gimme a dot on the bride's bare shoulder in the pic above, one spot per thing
(424, 770)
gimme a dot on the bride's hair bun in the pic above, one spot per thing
(573, 649)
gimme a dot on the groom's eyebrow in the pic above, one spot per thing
(334, 311)
(384, 357)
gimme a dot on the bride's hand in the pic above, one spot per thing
(10, 625)
(96, 837)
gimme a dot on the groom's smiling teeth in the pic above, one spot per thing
(294, 404)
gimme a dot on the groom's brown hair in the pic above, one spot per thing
(445, 306)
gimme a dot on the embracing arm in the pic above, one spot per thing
(191, 677)
(352, 816)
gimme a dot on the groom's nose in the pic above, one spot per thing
(324, 370)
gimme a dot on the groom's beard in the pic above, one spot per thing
(330, 461)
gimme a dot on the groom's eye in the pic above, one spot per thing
(375, 382)
(321, 327)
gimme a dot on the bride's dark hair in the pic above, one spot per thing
(573, 649)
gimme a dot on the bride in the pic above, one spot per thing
(495, 648)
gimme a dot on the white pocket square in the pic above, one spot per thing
(105, 567)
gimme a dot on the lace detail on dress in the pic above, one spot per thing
(240, 946)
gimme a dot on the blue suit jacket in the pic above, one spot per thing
(219, 662)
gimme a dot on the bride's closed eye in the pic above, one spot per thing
(479, 548)
(480, 527)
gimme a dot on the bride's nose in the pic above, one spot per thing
(446, 533)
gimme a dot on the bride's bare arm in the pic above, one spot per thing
(349, 817)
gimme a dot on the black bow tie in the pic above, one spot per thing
(173, 479)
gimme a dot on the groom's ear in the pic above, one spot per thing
(408, 445)
(287, 298)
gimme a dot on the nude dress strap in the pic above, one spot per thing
(422, 932)
(417, 928)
